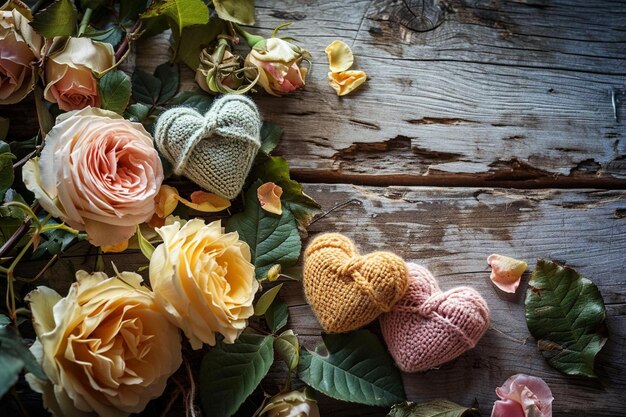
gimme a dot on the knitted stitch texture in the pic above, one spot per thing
(346, 290)
(428, 327)
(216, 150)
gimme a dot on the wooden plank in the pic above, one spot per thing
(452, 231)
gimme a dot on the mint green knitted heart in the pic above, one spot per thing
(216, 150)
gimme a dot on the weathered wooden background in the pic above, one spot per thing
(484, 126)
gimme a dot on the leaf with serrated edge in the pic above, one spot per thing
(238, 11)
(58, 19)
(114, 88)
(277, 315)
(169, 76)
(230, 373)
(288, 348)
(266, 299)
(270, 136)
(182, 13)
(436, 408)
(146, 87)
(566, 314)
(353, 367)
(272, 239)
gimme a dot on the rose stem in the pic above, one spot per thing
(125, 43)
(85, 21)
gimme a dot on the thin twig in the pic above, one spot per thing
(19, 233)
(126, 42)
(337, 207)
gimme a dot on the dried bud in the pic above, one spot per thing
(221, 72)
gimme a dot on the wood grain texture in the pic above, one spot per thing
(452, 231)
(499, 93)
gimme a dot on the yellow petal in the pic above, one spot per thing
(269, 197)
(118, 247)
(346, 81)
(205, 202)
(340, 56)
(506, 272)
(166, 201)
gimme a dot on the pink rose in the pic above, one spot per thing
(523, 396)
(20, 48)
(97, 172)
(71, 71)
(278, 63)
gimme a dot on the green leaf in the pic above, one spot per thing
(114, 89)
(436, 408)
(194, 39)
(168, 75)
(272, 239)
(238, 11)
(146, 247)
(353, 367)
(230, 373)
(198, 101)
(146, 88)
(112, 34)
(181, 13)
(566, 314)
(137, 112)
(58, 19)
(15, 356)
(6, 169)
(270, 136)
(276, 169)
(277, 315)
(266, 299)
(130, 10)
(288, 348)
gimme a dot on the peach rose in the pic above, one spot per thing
(106, 348)
(523, 396)
(278, 63)
(20, 48)
(71, 72)
(97, 172)
(203, 280)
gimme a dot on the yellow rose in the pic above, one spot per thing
(106, 348)
(203, 280)
(71, 73)
(20, 48)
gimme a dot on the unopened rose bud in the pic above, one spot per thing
(221, 72)
(291, 404)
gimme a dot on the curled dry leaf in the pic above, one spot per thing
(269, 197)
(345, 82)
(168, 198)
(506, 272)
(340, 56)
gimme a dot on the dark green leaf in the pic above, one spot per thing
(6, 171)
(112, 34)
(276, 169)
(238, 11)
(195, 38)
(168, 75)
(196, 100)
(130, 10)
(277, 315)
(54, 241)
(58, 19)
(230, 373)
(137, 112)
(270, 136)
(181, 13)
(146, 87)
(272, 239)
(15, 356)
(353, 367)
(566, 314)
(288, 348)
(114, 89)
(266, 300)
(436, 408)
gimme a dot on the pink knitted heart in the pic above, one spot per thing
(427, 327)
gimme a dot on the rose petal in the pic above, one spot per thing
(506, 272)
(346, 81)
(269, 197)
(340, 56)
(120, 247)
(166, 201)
(206, 202)
(507, 408)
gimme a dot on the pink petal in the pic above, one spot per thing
(507, 408)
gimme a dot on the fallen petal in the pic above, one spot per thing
(506, 272)
(206, 202)
(340, 56)
(166, 201)
(346, 81)
(118, 247)
(269, 197)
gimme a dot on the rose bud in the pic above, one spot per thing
(291, 404)
(221, 72)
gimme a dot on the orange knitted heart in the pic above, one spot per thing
(428, 327)
(347, 291)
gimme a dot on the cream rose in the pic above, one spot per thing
(203, 280)
(106, 348)
(20, 48)
(97, 172)
(71, 72)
